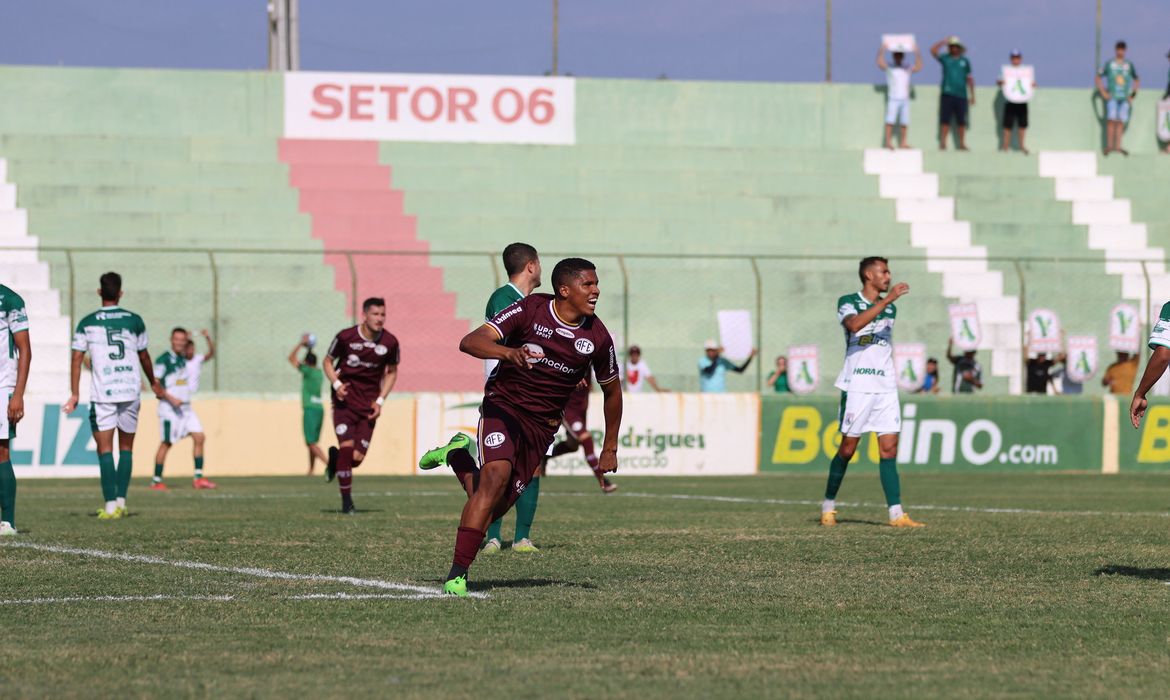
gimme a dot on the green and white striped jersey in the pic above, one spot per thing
(869, 353)
(13, 319)
(113, 337)
(1160, 333)
(172, 371)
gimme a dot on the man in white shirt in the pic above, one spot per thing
(638, 373)
(897, 94)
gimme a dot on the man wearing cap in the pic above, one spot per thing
(713, 368)
(897, 93)
(1118, 84)
(1014, 113)
(956, 82)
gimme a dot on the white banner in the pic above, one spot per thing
(1018, 83)
(965, 330)
(51, 444)
(670, 434)
(1044, 331)
(910, 363)
(899, 43)
(735, 334)
(804, 369)
(1124, 329)
(420, 107)
(1164, 120)
(1081, 363)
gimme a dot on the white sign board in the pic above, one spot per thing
(910, 363)
(1164, 120)
(1124, 329)
(804, 371)
(735, 334)
(419, 107)
(51, 444)
(965, 326)
(1081, 365)
(1019, 83)
(1044, 331)
(899, 43)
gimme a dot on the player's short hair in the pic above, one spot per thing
(310, 359)
(371, 302)
(569, 268)
(866, 263)
(179, 329)
(1119, 45)
(517, 256)
(111, 284)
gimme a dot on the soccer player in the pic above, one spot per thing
(15, 360)
(578, 435)
(1155, 367)
(868, 384)
(546, 345)
(179, 370)
(522, 263)
(116, 341)
(312, 408)
(362, 366)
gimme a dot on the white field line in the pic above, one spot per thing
(420, 591)
(217, 598)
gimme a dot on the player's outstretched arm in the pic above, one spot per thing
(856, 322)
(1155, 368)
(294, 356)
(16, 401)
(210, 346)
(74, 381)
(612, 392)
(484, 343)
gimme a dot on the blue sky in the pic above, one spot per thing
(759, 40)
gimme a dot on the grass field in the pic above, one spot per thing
(715, 587)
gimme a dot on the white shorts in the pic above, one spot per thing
(174, 424)
(122, 415)
(7, 430)
(869, 413)
(898, 112)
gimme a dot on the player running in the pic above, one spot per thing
(545, 344)
(576, 434)
(312, 408)
(1155, 366)
(522, 263)
(869, 390)
(362, 366)
(179, 370)
(15, 360)
(116, 341)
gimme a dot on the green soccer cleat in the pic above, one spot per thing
(456, 586)
(492, 546)
(6, 529)
(103, 515)
(525, 546)
(438, 456)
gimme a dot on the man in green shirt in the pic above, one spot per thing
(312, 407)
(956, 83)
(778, 379)
(1118, 83)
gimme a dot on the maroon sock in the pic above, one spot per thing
(467, 546)
(345, 469)
(591, 457)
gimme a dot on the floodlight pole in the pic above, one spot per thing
(1097, 47)
(294, 35)
(556, 31)
(829, 41)
(284, 46)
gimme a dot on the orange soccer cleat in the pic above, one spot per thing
(159, 486)
(203, 483)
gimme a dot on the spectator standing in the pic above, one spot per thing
(713, 368)
(956, 83)
(968, 371)
(638, 373)
(1119, 376)
(930, 383)
(778, 379)
(1067, 385)
(1015, 114)
(897, 94)
(1039, 374)
(1118, 83)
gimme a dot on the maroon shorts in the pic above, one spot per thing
(351, 424)
(574, 418)
(520, 441)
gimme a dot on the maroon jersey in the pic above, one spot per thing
(362, 363)
(562, 356)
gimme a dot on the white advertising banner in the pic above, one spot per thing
(965, 326)
(910, 363)
(51, 444)
(804, 368)
(1124, 329)
(1164, 120)
(1044, 331)
(1081, 364)
(1018, 83)
(421, 107)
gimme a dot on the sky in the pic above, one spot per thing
(745, 40)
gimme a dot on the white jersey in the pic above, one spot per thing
(898, 83)
(636, 375)
(173, 372)
(194, 372)
(13, 319)
(869, 353)
(113, 337)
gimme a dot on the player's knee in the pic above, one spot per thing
(846, 452)
(493, 478)
(198, 438)
(4, 454)
(358, 457)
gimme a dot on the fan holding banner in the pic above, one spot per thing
(1018, 83)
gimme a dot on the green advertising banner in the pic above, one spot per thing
(1146, 448)
(948, 433)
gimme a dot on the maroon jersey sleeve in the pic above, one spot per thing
(337, 348)
(394, 356)
(511, 318)
(605, 364)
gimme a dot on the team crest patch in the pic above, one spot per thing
(584, 346)
(494, 440)
(535, 353)
(380, 350)
(566, 333)
(342, 428)
(353, 360)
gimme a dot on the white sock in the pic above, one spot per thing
(111, 506)
(896, 512)
(828, 506)
(121, 502)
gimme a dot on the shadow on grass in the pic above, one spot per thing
(356, 511)
(852, 521)
(489, 584)
(1160, 574)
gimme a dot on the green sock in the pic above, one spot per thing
(158, 471)
(888, 470)
(125, 466)
(526, 509)
(198, 467)
(493, 532)
(7, 493)
(109, 476)
(836, 475)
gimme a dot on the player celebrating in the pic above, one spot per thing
(116, 341)
(1155, 366)
(15, 360)
(362, 366)
(195, 363)
(179, 370)
(312, 409)
(545, 344)
(869, 390)
(578, 435)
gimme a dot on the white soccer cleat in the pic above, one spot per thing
(492, 546)
(6, 529)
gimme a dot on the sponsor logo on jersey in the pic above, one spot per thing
(507, 313)
(584, 346)
(380, 350)
(494, 440)
(870, 371)
(356, 346)
(353, 361)
(520, 486)
(535, 353)
(565, 332)
(542, 331)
